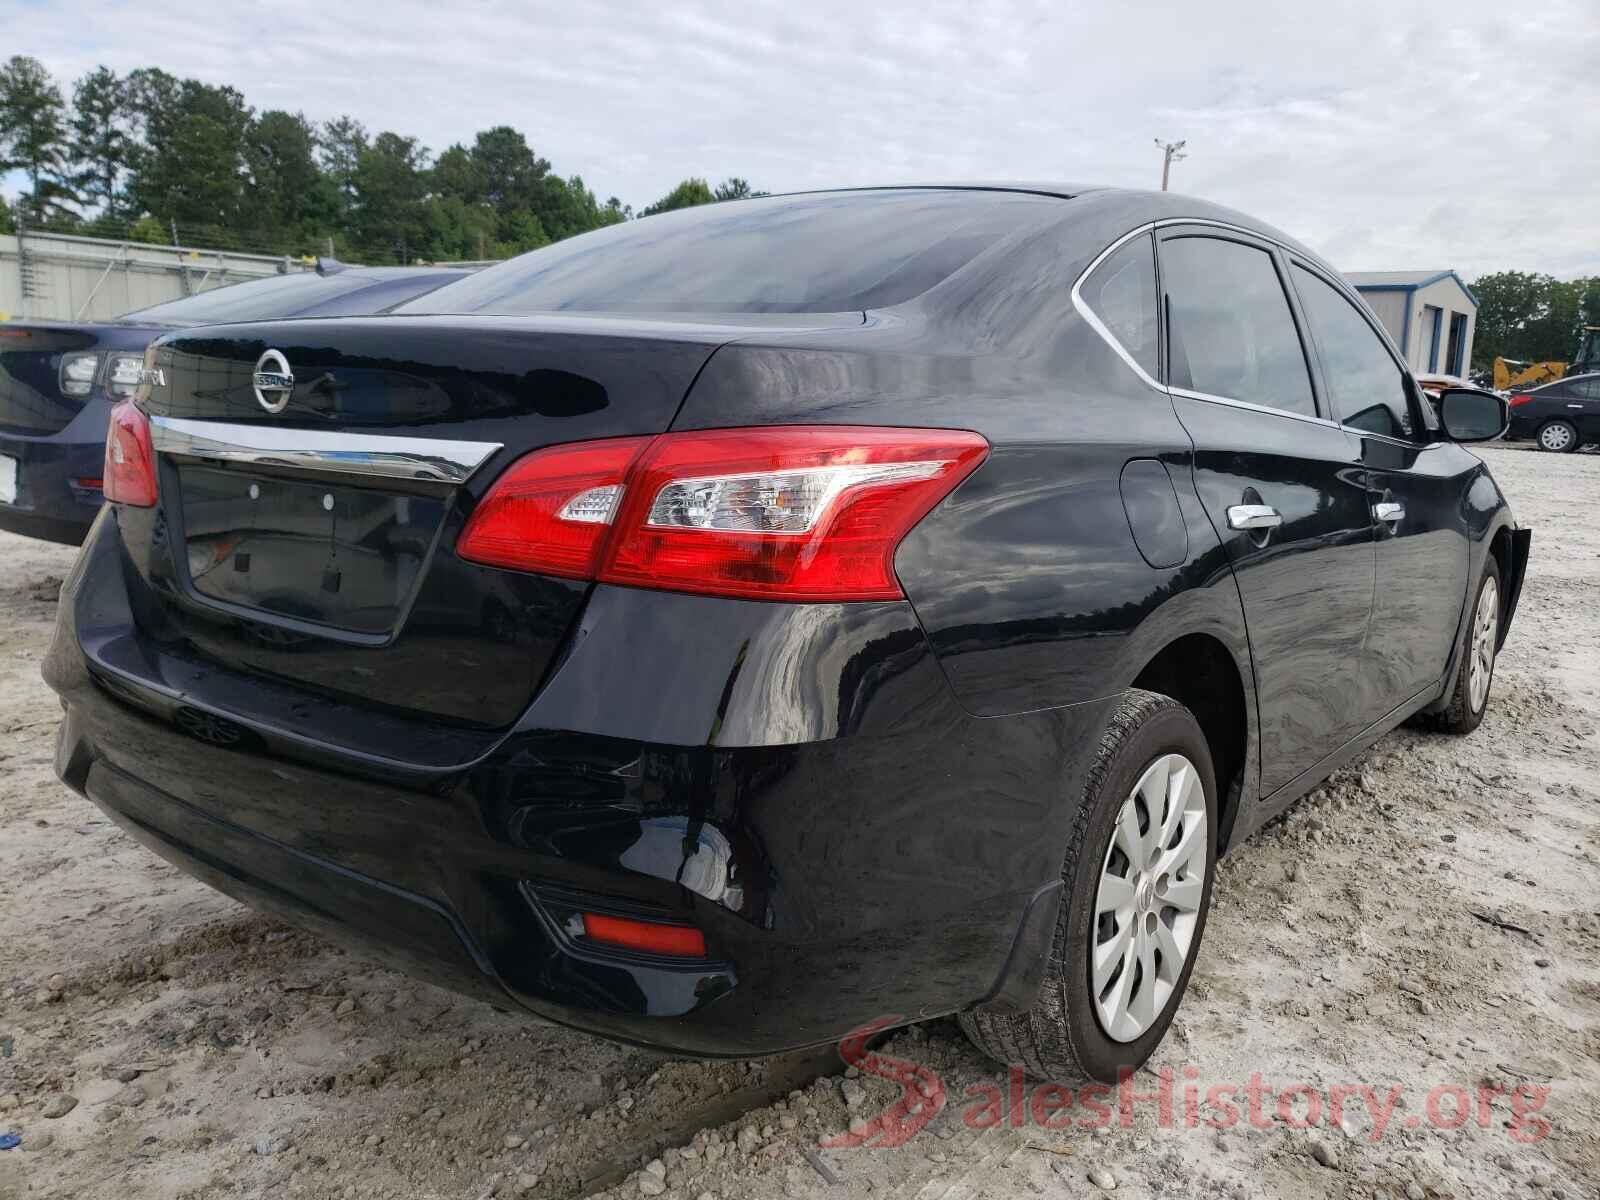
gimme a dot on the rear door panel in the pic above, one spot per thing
(1307, 585)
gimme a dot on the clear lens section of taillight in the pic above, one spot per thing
(123, 374)
(772, 501)
(129, 476)
(77, 373)
(808, 513)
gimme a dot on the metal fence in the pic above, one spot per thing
(57, 276)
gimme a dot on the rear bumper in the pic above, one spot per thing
(851, 842)
(50, 504)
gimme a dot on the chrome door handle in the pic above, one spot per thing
(1253, 516)
(1388, 510)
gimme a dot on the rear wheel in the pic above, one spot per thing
(1557, 436)
(1138, 874)
(1469, 698)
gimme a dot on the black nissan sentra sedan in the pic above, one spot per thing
(733, 627)
(1560, 416)
(59, 379)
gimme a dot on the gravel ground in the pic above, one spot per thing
(1427, 921)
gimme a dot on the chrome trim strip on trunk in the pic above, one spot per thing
(376, 455)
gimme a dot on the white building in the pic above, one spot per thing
(1431, 315)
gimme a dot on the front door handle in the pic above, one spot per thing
(1388, 510)
(1253, 516)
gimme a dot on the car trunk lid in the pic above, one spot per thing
(306, 533)
(31, 399)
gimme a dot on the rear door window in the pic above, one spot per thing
(1230, 331)
(1365, 384)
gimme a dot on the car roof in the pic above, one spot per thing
(377, 273)
(1142, 205)
(1558, 382)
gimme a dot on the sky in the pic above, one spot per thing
(1434, 134)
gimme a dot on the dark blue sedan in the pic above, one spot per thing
(58, 380)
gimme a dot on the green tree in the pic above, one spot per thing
(1589, 299)
(340, 146)
(148, 230)
(1506, 301)
(687, 194)
(388, 218)
(502, 175)
(288, 194)
(457, 174)
(509, 169)
(734, 188)
(100, 143)
(1532, 318)
(33, 139)
(567, 207)
(190, 167)
(8, 223)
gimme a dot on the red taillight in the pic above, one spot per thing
(680, 941)
(550, 512)
(1520, 399)
(130, 470)
(810, 513)
(786, 514)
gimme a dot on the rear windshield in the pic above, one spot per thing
(829, 252)
(303, 294)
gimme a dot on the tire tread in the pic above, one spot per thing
(1037, 1039)
(1457, 716)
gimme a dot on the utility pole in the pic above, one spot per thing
(1170, 153)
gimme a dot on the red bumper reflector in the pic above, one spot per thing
(679, 941)
(89, 483)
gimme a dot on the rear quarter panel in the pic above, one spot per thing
(1027, 579)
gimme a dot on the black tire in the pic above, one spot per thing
(1459, 716)
(1061, 1037)
(1563, 432)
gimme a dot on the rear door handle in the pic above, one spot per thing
(1388, 510)
(1253, 516)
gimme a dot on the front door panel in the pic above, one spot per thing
(1422, 568)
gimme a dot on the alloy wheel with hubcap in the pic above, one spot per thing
(1137, 869)
(1557, 436)
(1485, 627)
(1152, 883)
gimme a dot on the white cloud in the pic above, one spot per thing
(1459, 133)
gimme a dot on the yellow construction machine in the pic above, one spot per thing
(1509, 373)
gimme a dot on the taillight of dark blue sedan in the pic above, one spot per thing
(737, 626)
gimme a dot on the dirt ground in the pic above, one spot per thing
(1428, 924)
